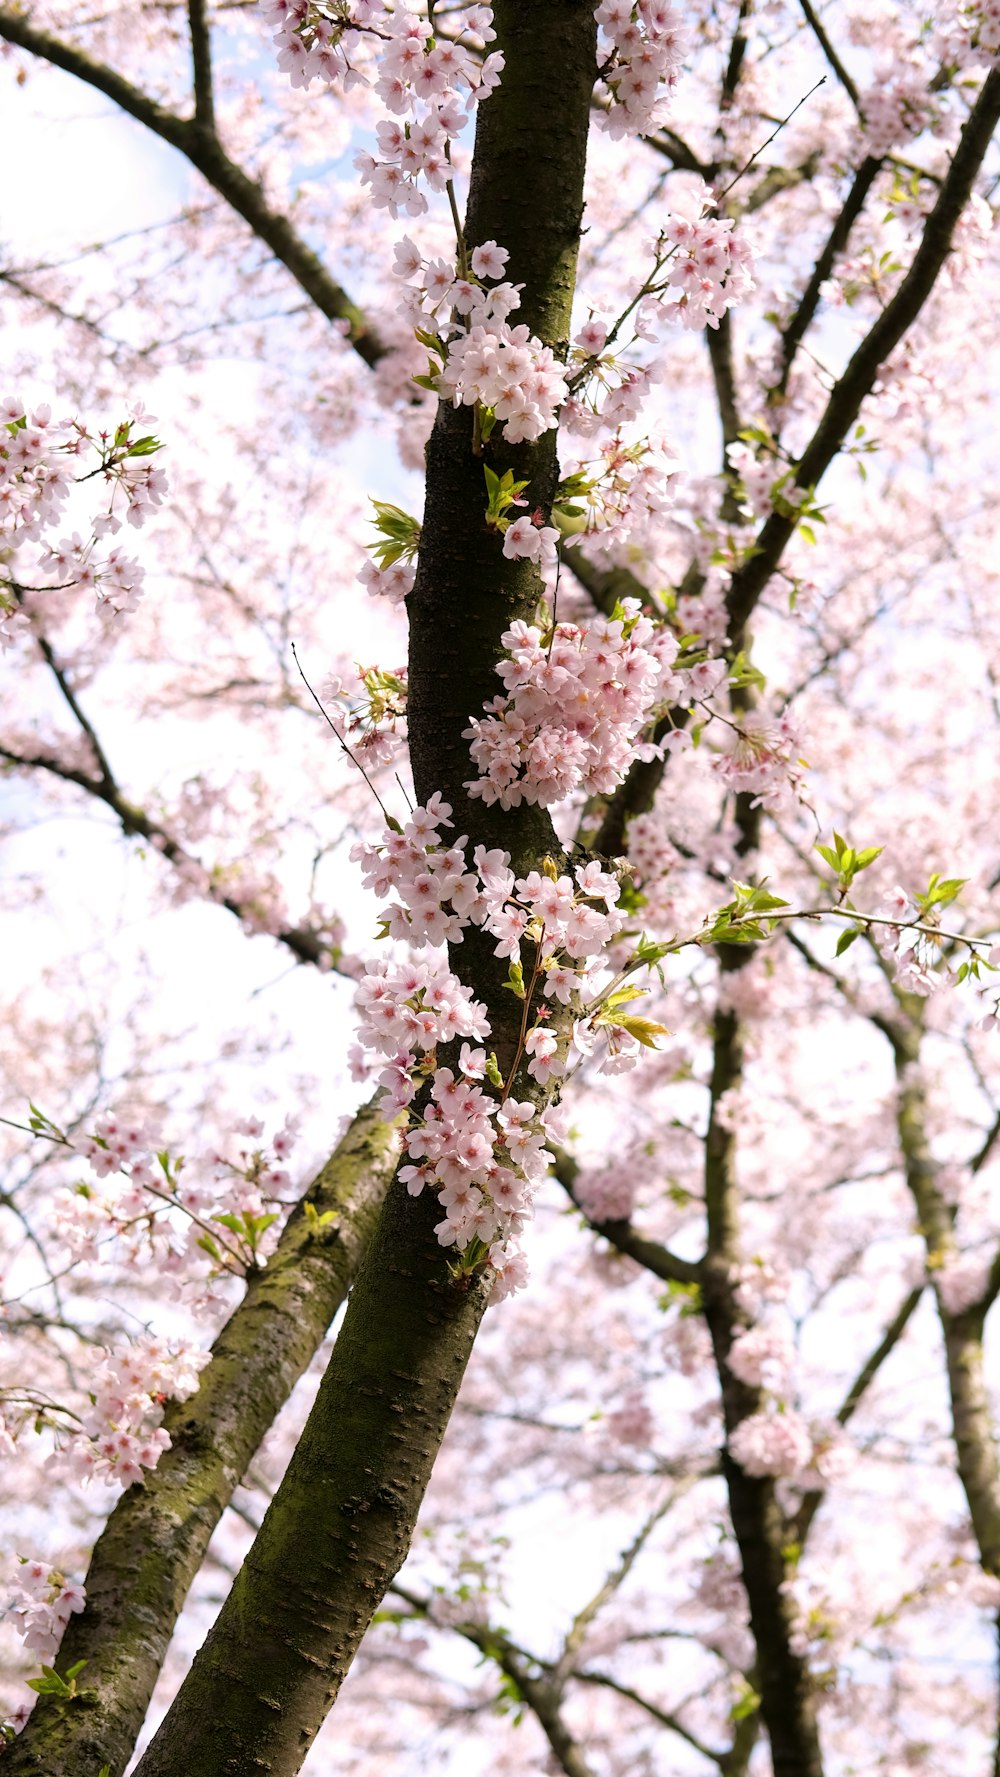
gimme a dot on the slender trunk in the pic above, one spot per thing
(787, 1703)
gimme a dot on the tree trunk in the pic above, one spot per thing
(340, 1525)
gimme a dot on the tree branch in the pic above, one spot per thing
(304, 944)
(155, 1539)
(787, 1699)
(201, 58)
(812, 1501)
(543, 1697)
(888, 330)
(795, 330)
(583, 1618)
(817, 28)
(737, 53)
(650, 1254)
(665, 1717)
(198, 142)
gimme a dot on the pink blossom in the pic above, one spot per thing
(761, 1356)
(489, 260)
(771, 1443)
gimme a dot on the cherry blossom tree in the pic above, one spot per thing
(610, 1392)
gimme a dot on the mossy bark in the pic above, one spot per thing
(156, 1537)
(340, 1525)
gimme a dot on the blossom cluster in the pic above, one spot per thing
(776, 1441)
(393, 583)
(485, 361)
(983, 18)
(756, 474)
(898, 107)
(763, 761)
(40, 1601)
(482, 1155)
(428, 83)
(609, 1191)
(569, 920)
(375, 709)
(408, 1010)
(781, 1445)
(761, 1356)
(437, 894)
(702, 267)
(509, 371)
(650, 852)
(962, 1281)
(482, 1151)
(122, 1433)
(627, 491)
(37, 457)
(710, 269)
(575, 704)
(911, 954)
(641, 50)
(193, 1228)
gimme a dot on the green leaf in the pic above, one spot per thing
(648, 952)
(502, 492)
(847, 862)
(645, 1030)
(432, 341)
(725, 932)
(846, 939)
(51, 1685)
(493, 1073)
(41, 1124)
(623, 996)
(315, 1221)
(228, 1220)
(515, 981)
(762, 901)
(743, 672)
(941, 891)
(686, 1296)
(747, 1703)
